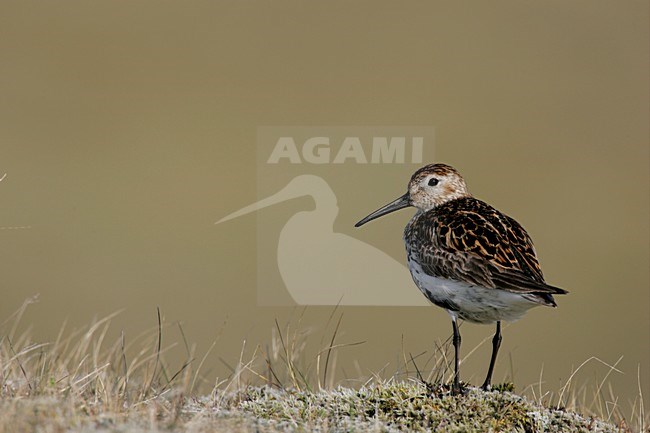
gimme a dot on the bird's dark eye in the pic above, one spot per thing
(433, 181)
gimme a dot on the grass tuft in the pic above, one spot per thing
(81, 383)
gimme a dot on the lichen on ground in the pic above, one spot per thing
(389, 407)
(394, 407)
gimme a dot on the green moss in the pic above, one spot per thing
(504, 387)
(405, 406)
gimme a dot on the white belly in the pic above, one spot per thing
(468, 302)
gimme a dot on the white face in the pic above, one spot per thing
(429, 190)
(430, 186)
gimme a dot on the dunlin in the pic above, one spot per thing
(467, 257)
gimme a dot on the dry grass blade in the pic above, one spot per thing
(87, 378)
(158, 348)
(598, 397)
(568, 382)
(183, 367)
(287, 356)
(271, 372)
(329, 349)
(198, 369)
(18, 314)
(124, 364)
(417, 370)
(641, 413)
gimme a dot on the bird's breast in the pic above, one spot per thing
(466, 301)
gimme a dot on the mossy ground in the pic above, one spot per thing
(389, 407)
(78, 383)
(401, 406)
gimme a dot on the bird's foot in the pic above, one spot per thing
(458, 389)
(440, 390)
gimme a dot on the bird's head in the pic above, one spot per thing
(434, 185)
(430, 186)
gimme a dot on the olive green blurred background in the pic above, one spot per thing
(129, 128)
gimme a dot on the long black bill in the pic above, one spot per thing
(398, 204)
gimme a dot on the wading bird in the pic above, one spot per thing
(467, 257)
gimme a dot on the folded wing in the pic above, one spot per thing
(470, 241)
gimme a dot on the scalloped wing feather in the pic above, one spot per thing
(468, 240)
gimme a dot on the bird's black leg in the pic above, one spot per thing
(456, 386)
(496, 342)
